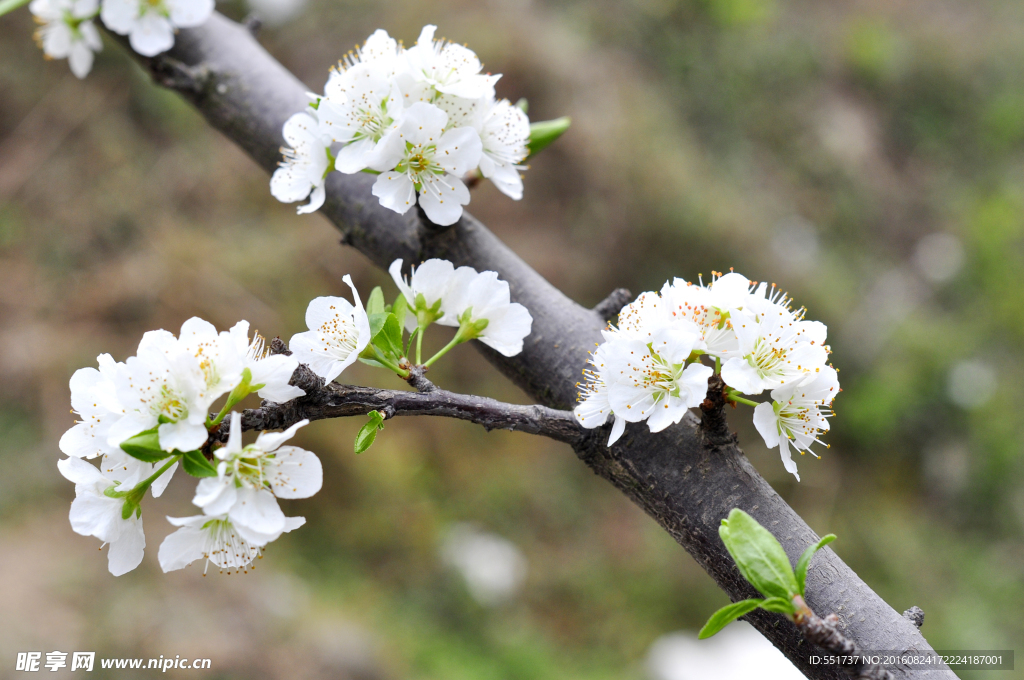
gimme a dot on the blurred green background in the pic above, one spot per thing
(866, 156)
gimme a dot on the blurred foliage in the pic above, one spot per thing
(815, 145)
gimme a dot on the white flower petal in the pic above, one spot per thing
(151, 34)
(295, 473)
(395, 191)
(257, 510)
(126, 552)
(182, 547)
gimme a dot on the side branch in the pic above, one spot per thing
(337, 401)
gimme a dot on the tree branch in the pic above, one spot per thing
(337, 401)
(684, 480)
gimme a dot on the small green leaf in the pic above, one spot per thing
(145, 446)
(545, 132)
(195, 464)
(779, 605)
(726, 615)
(400, 309)
(368, 432)
(389, 337)
(375, 303)
(11, 5)
(759, 556)
(805, 561)
(377, 322)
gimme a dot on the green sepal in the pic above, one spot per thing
(804, 563)
(195, 464)
(145, 446)
(11, 5)
(128, 508)
(759, 556)
(726, 615)
(368, 432)
(375, 303)
(544, 132)
(523, 105)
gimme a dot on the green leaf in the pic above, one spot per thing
(545, 132)
(779, 605)
(11, 5)
(400, 309)
(375, 303)
(145, 446)
(805, 561)
(759, 556)
(389, 336)
(368, 432)
(376, 322)
(726, 615)
(195, 464)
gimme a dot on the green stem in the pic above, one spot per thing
(419, 345)
(153, 477)
(379, 356)
(444, 350)
(718, 365)
(732, 396)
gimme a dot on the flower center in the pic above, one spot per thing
(169, 404)
(339, 336)
(226, 548)
(766, 359)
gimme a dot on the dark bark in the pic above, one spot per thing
(338, 401)
(683, 479)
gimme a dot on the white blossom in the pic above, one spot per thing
(482, 302)
(305, 165)
(696, 305)
(447, 68)
(652, 381)
(380, 50)
(429, 161)
(776, 349)
(505, 134)
(150, 24)
(95, 514)
(218, 356)
(164, 387)
(360, 106)
(338, 332)
(272, 371)
(594, 409)
(67, 31)
(94, 399)
(797, 415)
(217, 540)
(425, 289)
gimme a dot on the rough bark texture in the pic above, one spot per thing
(686, 478)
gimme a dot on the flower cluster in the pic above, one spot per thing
(421, 119)
(143, 417)
(651, 366)
(67, 29)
